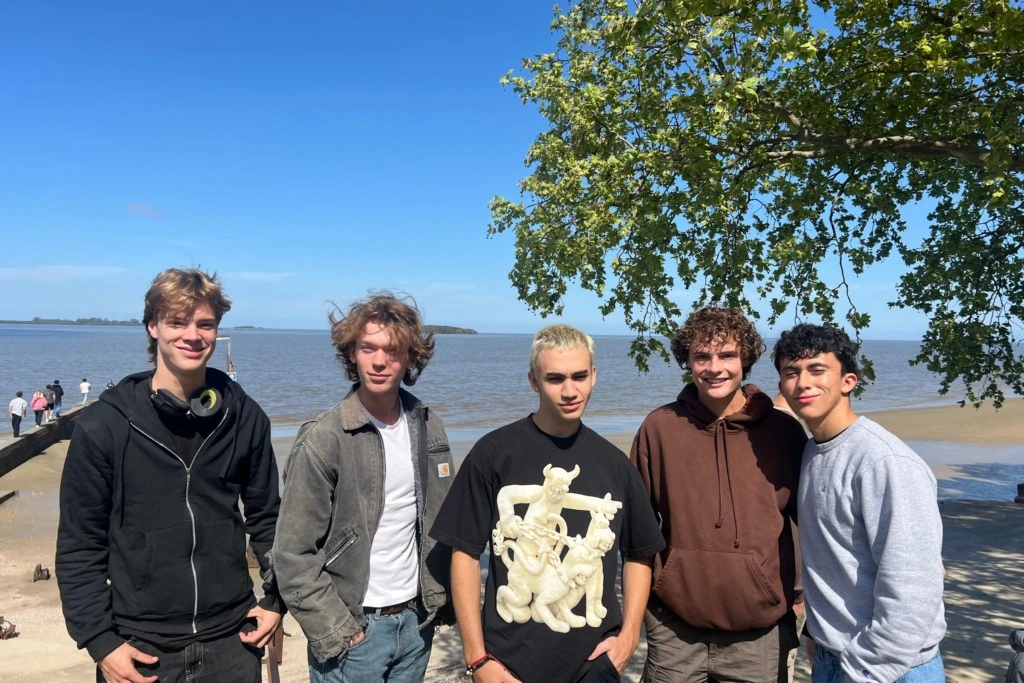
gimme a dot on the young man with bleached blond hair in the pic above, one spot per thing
(870, 529)
(151, 545)
(363, 483)
(720, 466)
(556, 504)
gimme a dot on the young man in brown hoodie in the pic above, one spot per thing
(721, 466)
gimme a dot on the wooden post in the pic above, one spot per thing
(275, 654)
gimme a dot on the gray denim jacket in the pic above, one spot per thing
(332, 503)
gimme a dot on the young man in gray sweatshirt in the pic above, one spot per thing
(870, 531)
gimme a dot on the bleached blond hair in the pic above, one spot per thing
(559, 336)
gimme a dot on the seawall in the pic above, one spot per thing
(35, 440)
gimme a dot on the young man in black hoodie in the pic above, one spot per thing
(151, 543)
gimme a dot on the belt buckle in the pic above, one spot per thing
(395, 609)
(378, 612)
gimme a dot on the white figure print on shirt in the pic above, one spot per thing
(543, 583)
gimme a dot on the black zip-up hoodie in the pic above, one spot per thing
(169, 538)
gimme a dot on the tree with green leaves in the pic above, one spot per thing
(744, 150)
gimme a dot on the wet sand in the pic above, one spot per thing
(984, 425)
(983, 552)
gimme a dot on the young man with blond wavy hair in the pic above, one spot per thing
(151, 546)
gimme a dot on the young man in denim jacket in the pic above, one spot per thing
(362, 485)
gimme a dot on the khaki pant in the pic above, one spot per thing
(680, 653)
(801, 619)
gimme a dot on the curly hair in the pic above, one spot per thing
(177, 291)
(712, 326)
(399, 315)
(807, 341)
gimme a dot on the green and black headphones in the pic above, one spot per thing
(203, 403)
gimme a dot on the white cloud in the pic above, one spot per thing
(146, 211)
(58, 273)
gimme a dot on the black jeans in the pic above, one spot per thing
(39, 417)
(16, 424)
(601, 670)
(225, 659)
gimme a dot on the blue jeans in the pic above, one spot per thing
(826, 669)
(56, 409)
(221, 660)
(395, 649)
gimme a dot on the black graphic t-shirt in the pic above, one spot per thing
(556, 514)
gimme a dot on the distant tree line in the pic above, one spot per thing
(447, 329)
(435, 329)
(78, 321)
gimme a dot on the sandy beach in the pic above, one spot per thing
(983, 551)
(984, 425)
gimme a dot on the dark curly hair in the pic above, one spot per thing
(399, 315)
(807, 341)
(711, 326)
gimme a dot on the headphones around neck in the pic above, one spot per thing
(203, 403)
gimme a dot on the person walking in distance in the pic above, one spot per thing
(39, 406)
(51, 397)
(84, 388)
(58, 396)
(17, 408)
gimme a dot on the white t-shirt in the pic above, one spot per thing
(394, 555)
(19, 407)
(84, 388)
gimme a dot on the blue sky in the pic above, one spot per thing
(308, 152)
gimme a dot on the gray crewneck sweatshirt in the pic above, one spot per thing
(871, 539)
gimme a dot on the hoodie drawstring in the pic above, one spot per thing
(732, 495)
(718, 470)
(728, 477)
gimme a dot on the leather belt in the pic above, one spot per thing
(390, 609)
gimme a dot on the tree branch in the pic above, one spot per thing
(831, 146)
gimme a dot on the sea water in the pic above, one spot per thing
(475, 382)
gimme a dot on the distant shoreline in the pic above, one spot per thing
(78, 321)
(433, 329)
(447, 329)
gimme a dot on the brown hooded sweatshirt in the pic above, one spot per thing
(726, 492)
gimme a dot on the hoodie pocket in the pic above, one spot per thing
(221, 566)
(166, 587)
(716, 589)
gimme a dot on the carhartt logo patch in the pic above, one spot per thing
(444, 470)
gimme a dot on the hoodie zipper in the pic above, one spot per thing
(188, 505)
